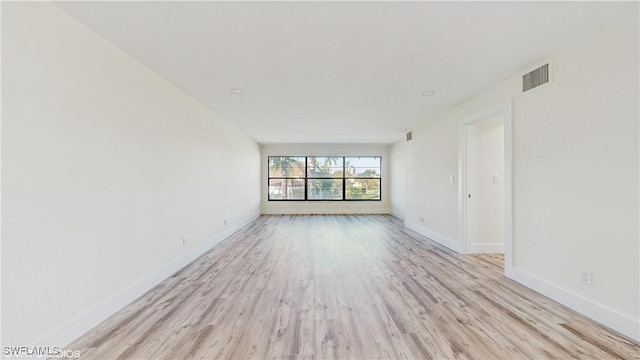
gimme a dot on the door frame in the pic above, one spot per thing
(506, 110)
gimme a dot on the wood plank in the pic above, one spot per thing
(345, 287)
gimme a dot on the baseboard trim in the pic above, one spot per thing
(75, 328)
(597, 312)
(440, 239)
(487, 248)
(397, 214)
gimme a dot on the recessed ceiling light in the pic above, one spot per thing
(428, 93)
(237, 91)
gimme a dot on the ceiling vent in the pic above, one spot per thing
(409, 136)
(535, 78)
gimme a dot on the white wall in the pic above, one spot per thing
(576, 173)
(326, 207)
(431, 199)
(575, 177)
(398, 183)
(105, 169)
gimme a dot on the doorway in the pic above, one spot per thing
(485, 185)
(484, 190)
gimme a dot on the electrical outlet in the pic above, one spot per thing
(184, 241)
(585, 277)
(225, 222)
(421, 218)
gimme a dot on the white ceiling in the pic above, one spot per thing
(340, 71)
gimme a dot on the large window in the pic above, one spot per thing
(324, 178)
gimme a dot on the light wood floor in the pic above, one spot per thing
(343, 287)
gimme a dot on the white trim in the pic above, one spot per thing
(608, 317)
(462, 188)
(75, 328)
(505, 109)
(508, 186)
(487, 248)
(397, 214)
(432, 235)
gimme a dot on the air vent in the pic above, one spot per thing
(409, 136)
(535, 78)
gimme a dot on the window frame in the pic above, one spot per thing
(307, 178)
(285, 178)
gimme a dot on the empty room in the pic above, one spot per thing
(324, 179)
